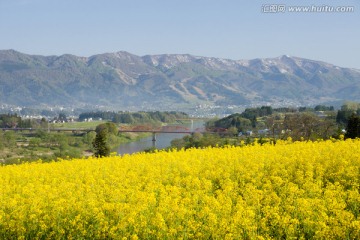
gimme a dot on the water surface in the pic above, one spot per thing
(163, 140)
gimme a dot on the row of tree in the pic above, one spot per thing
(15, 121)
(134, 117)
(251, 113)
(248, 118)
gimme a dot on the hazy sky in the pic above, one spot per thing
(231, 29)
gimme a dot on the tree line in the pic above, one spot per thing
(134, 117)
(15, 121)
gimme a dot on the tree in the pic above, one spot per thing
(234, 120)
(308, 126)
(232, 131)
(89, 138)
(9, 120)
(176, 143)
(343, 116)
(100, 144)
(323, 108)
(110, 127)
(44, 123)
(353, 127)
(274, 124)
(9, 138)
(62, 117)
(253, 122)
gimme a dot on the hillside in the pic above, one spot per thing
(170, 81)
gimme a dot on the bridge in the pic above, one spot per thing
(136, 129)
(154, 132)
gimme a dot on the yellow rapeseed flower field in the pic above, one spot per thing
(299, 190)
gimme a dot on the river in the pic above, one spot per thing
(163, 140)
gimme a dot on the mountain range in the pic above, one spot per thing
(171, 81)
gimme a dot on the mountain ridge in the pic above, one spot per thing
(122, 80)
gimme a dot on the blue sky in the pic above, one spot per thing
(222, 28)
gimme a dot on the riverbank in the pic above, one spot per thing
(19, 147)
